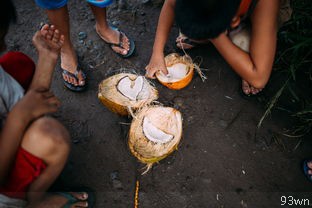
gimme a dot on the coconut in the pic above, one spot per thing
(155, 132)
(123, 92)
(241, 39)
(180, 72)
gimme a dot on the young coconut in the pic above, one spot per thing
(241, 39)
(180, 72)
(155, 132)
(126, 92)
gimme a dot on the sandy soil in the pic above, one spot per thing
(223, 159)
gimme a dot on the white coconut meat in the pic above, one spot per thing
(176, 72)
(241, 39)
(125, 91)
(133, 89)
(153, 133)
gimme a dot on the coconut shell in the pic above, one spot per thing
(172, 59)
(167, 119)
(111, 97)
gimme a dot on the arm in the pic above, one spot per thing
(165, 23)
(33, 105)
(254, 67)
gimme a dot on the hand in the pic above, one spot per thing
(157, 63)
(48, 40)
(36, 103)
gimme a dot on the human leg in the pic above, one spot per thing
(122, 44)
(60, 18)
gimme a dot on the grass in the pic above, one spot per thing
(293, 63)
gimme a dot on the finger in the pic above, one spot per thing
(164, 70)
(150, 74)
(54, 103)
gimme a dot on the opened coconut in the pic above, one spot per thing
(180, 71)
(155, 132)
(241, 39)
(126, 92)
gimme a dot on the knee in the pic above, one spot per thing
(47, 139)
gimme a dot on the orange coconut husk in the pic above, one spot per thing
(171, 60)
(115, 101)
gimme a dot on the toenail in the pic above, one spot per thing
(86, 204)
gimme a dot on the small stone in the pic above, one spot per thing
(82, 35)
(89, 44)
(117, 184)
(114, 175)
(116, 23)
(81, 41)
(223, 123)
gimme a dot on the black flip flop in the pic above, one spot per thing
(72, 200)
(71, 86)
(120, 45)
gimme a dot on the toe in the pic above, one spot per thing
(246, 87)
(80, 204)
(309, 164)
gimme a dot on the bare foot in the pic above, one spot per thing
(248, 89)
(110, 35)
(48, 41)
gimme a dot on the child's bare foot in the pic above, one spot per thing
(109, 35)
(48, 41)
(248, 89)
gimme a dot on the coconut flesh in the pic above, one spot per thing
(154, 133)
(176, 72)
(131, 88)
(123, 91)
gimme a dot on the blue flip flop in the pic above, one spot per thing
(306, 169)
(72, 200)
(71, 86)
(120, 45)
(100, 3)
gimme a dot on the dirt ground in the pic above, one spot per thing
(222, 161)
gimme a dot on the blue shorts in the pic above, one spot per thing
(55, 4)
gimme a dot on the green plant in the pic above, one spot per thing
(294, 64)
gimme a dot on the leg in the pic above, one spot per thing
(59, 17)
(106, 32)
(48, 140)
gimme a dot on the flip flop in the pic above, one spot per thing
(120, 45)
(71, 86)
(100, 3)
(72, 200)
(306, 169)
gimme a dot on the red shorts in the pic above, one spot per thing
(27, 167)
